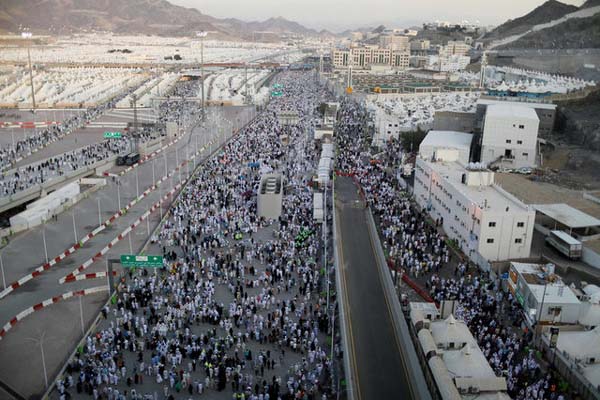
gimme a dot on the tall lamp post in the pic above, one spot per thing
(29, 35)
(202, 35)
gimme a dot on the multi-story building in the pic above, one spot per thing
(487, 223)
(450, 63)
(394, 42)
(454, 47)
(366, 56)
(546, 113)
(438, 142)
(510, 136)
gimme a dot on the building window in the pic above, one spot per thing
(490, 240)
(508, 141)
(520, 224)
(525, 154)
(519, 142)
(492, 224)
(518, 240)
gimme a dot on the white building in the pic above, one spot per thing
(487, 223)
(270, 196)
(439, 143)
(510, 136)
(363, 57)
(394, 42)
(545, 298)
(457, 364)
(454, 47)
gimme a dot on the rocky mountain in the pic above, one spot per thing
(575, 33)
(157, 17)
(591, 3)
(549, 11)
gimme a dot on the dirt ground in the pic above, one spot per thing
(531, 192)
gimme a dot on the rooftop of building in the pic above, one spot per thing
(488, 198)
(545, 284)
(511, 110)
(489, 102)
(448, 139)
(567, 215)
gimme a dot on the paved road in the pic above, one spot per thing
(20, 355)
(375, 358)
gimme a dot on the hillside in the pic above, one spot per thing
(576, 33)
(547, 12)
(157, 17)
(591, 3)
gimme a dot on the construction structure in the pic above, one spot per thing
(270, 196)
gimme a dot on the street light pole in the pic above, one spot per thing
(2, 268)
(28, 35)
(137, 183)
(40, 341)
(74, 227)
(44, 239)
(99, 213)
(119, 194)
(202, 35)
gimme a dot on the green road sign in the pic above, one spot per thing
(277, 86)
(277, 94)
(112, 135)
(131, 260)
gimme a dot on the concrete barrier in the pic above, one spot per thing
(150, 146)
(349, 377)
(407, 348)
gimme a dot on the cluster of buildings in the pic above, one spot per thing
(393, 51)
(454, 182)
(457, 365)
(399, 51)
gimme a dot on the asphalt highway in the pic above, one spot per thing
(379, 369)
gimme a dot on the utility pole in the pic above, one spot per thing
(134, 134)
(202, 35)
(28, 35)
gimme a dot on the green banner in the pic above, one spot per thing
(131, 260)
(112, 135)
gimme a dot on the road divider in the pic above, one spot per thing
(46, 303)
(97, 230)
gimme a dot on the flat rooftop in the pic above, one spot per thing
(448, 139)
(544, 106)
(495, 198)
(511, 110)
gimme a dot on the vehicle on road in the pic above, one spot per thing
(565, 244)
(132, 158)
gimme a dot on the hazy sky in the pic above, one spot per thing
(342, 14)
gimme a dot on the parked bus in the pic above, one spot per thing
(565, 244)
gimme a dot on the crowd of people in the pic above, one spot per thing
(22, 178)
(41, 138)
(239, 305)
(35, 174)
(416, 247)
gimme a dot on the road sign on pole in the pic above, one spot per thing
(112, 135)
(131, 260)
